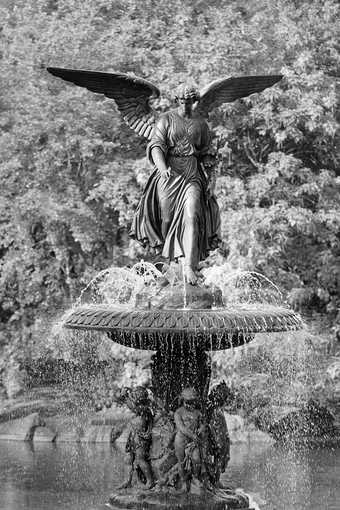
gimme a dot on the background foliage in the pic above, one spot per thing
(71, 172)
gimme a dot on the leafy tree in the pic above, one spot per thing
(71, 172)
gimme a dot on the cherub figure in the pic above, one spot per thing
(218, 436)
(140, 436)
(188, 439)
(178, 217)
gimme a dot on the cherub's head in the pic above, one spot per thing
(220, 395)
(189, 397)
(186, 96)
(135, 398)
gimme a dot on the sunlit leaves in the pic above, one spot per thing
(71, 172)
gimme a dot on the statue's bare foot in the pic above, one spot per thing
(161, 483)
(150, 484)
(183, 490)
(190, 275)
(125, 485)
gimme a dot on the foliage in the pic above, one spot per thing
(71, 171)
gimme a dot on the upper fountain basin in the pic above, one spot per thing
(218, 328)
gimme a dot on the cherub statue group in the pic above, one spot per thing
(198, 448)
(202, 443)
(177, 218)
(140, 436)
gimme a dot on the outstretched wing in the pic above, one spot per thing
(226, 90)
(131, 93)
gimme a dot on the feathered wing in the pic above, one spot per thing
(131, 94)
(227, 90)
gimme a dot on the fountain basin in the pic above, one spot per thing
(159, 500)
(211, 329)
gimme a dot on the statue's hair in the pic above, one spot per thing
(189, 394)
(140, 395)
(220, 392)
(187, 92)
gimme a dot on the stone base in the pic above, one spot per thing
(178, 296)
(155, 499)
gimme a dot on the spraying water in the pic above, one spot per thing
(120, 286)
(247, 287)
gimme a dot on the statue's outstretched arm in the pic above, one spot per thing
(131, 94)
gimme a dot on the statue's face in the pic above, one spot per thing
(185, 104)
(186, 96)
(190, 404)
(185, 100)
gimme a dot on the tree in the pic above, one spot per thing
(71, 171)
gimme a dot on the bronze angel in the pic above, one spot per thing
(178, 216)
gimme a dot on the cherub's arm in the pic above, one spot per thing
(146, 424)
(201, 425)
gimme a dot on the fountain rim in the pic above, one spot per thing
(233, 320)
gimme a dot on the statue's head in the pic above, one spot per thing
(189, 397)
(140, 396)
(220, 394)
(187, 93)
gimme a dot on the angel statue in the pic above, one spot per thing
(178, 216)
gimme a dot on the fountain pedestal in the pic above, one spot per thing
(165, 500)
(179, 365)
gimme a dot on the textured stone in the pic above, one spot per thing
(173, 297)
(166, 500)
(21, 429)
(44, 435)
(17, 410)
(68, 436)
(210, 328)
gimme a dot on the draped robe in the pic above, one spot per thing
(169, 205)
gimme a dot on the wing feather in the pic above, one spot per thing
(139, 126)
(134, 123)
(131, 93)
(227, 90)
(148, 132)
(130, 117)
(143, 129)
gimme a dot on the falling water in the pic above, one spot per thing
(128, 288)
(184, 287)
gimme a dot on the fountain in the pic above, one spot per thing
(154, 318)
(177, 444)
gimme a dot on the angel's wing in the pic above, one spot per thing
(226, 90)
(131, 93)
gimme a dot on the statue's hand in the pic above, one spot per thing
(210, 189)
(166, 172)
(211, 184)
(202, 430)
